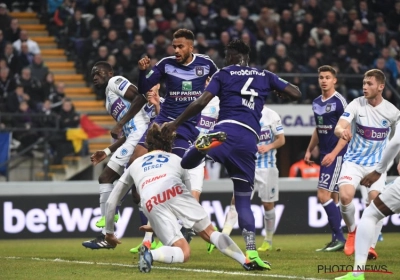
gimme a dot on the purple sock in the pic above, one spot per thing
(192, 158)
(143, 218)
(242, 192)
(334, 220)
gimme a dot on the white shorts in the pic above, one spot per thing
(391, 196)
(352, 174)
(266, 184)
(197, 177)
(164, 216)
(122, 155)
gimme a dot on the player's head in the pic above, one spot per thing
(101, 73)
(183, 45)
(155, 140)
(237, 52)
(327, 78)
(373, 83)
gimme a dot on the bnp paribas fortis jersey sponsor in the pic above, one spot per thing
(371, 127)
(117, 106)
(327, 113)
(271, 126)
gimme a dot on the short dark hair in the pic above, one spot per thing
(378, 74)
(239, 46)
(327, 68)
(104, 64)
(184, 33)
(155, 140)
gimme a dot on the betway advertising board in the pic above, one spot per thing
(75, 215)
(297, 120)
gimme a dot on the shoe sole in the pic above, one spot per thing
(372, 256)
(143, 265)
(214, 140)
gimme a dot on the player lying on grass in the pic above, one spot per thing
(164, 189)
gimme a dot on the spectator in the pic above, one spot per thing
(113, 43)
(213, 54)
(25, 57)
(57, 97)
(11, 58)
(266, 26)
(317, 33)
(192, 9)
(32, 86)
(170, 8)
(150, 5)
(314, 9)
(370, 50)
(128, 7)
(382, 35)
(7, 83)
(38, 69)
(150, 32)
(184, 21)
(380, 64)
(97, 21)
(105, 28)
(343, 58)
(280, 54)
(32, 45)
(353, 47)
(162, 23)
(298, 12)
(352, 16)
(48, 86)
(360, 32)
(118, 17)
(128, 32)
(90, 46)
(308, 23)
(390, 63)
(112, 60)
(173, 26)
(393, 19)
(286, 23)
(339, 10)
(266, 50)
(62, 15)
(141, 19)
(330, 23)
(224, 39)
(393, 47)
(253, 51)
(127, 62)
(328, 50)
(204, 24)
(5, 19)
(138, 47)
(299, 35)
(310, 84)
(236, 31)
(222, 21)
(354, 85)
(12, 33)
(151, 51)
(303, 170)
(15, 98)
(249, 23)
(342, 36)
(365, 14)
(310, 49)
(76, 32)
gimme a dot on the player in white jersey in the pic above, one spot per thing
(164, 189)
(266, 176)
(121, 96)
(385, 204)
(372, 119)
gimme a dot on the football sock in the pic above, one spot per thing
(269, 224)
(348, 212)
(365, 236)
(230, 220)
(105, 190)
(192, 158)
(334, 220)
(378, 229)
(227, 246)
(168, 254)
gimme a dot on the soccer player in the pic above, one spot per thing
(185, 75)
(242, 91)
(164, 189)
(121, 98)
(328, 108)
(266, 177)
(385, 204)
(374, 118)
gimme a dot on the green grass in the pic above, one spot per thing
(293, 255)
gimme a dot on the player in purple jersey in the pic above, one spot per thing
(328, 107)
(242, 91)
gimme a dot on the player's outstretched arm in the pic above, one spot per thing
(137, 102)
(342, 130)
(192, 110)
(292, 92)
(99, 156)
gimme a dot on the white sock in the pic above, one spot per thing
(378, 229)
(227, 246)
(105, 190)
(364, 236)
(168, 254)
(230, 220)
(269, 224)
(148, 235)
(348, 212)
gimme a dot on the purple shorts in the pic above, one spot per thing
(237, 153)
(329, 175)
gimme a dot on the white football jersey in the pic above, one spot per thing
(209, 116)
(371, 127)
(117, 106)
(157, 171)
(271, 125)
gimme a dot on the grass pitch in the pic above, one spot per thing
(293, 257)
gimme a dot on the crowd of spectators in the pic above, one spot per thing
(286, 36)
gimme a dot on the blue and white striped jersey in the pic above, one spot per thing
(117, 106)
(270, 126)
(371, 127)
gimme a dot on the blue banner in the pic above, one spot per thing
(5, 141)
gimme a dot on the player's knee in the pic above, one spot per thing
(323, 196)
(268, 206)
